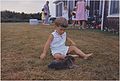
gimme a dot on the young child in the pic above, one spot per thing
(73, 17)
(56, 42)
(65, 13)
(43, 16)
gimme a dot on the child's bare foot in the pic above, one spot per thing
(88, 55)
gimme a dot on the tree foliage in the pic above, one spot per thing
(11, 16)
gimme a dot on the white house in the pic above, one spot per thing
(107, 9)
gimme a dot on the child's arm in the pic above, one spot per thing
(46, 47)
(71, 41)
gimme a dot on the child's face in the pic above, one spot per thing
(60, 30)
(65, 8)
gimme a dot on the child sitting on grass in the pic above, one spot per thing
(56, 42)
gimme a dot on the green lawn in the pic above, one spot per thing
(22, 45)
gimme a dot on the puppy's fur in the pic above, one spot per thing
(64, 64)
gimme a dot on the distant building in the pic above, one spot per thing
(107, 9)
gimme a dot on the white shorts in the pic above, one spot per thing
(73, 18)
(62, 51)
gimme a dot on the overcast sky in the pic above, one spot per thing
(27, 6)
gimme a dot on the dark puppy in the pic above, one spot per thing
(69, 61)
(64, 64)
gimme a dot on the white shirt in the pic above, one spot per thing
(65, 14)
(58, 43)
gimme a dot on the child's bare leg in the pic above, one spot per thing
(73, 23)
(79, 52)
(83, 24)
(79, 23)
(58, 57)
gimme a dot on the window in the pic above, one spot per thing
(71, 5)
(114, 7)
(56, 10)
(65, 3)
(60, 9)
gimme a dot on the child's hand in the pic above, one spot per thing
(42, 56)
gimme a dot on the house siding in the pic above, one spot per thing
(96, 8)
(112, 23)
